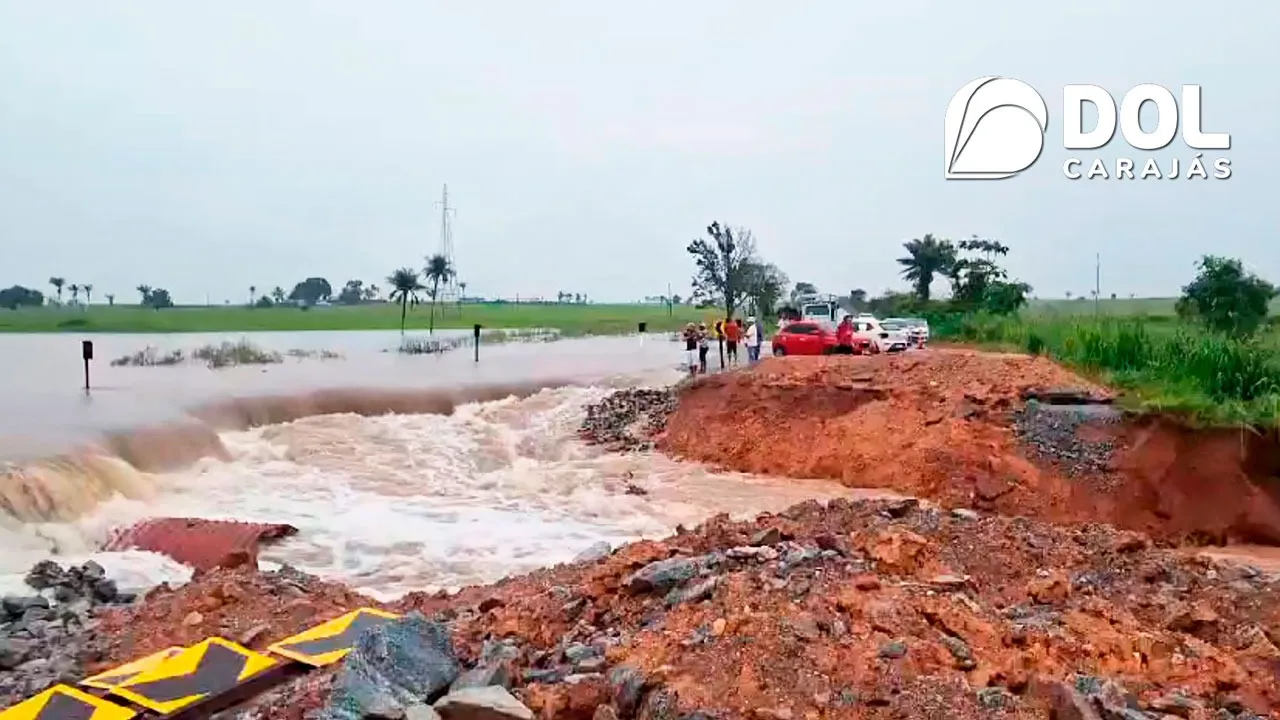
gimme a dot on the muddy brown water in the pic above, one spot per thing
(402, 472)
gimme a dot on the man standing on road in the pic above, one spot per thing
(704, 345)
(720, 340)
(732, 334)
(754, 339)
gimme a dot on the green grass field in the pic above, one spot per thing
(1120, 307)
(1166, 365)
(569, 319)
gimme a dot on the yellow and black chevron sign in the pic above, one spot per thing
(62, 702)
(208, 668)
(329, 642)
(122, 674)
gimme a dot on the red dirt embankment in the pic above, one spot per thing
(859, 610)
(939, 425)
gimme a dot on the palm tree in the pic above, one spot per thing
(277, 294)
(57, 283)
(462, 293)
(88, 293)
(253, 290)
(404, 290)
(926, 257)
(111, 299)
(75, 293)
(438, 270)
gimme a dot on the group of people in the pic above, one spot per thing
(731, 332)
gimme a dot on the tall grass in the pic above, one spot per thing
(1170, 366)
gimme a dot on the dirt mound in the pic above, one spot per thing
(201, 544)
(869, 609)
(956, 426)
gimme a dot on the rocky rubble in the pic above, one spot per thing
(629, 419)
(874, 609)
(47, 636)
(1052, 432)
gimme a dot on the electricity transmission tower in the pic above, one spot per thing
(449, 288)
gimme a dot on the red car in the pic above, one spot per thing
(811, 338)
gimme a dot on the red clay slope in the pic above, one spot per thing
(937, 424)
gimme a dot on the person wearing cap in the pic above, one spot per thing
(690, 337)
(754, 339)
(704, 346)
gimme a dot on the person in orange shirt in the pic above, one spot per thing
(732, 335)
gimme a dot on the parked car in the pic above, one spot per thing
(807, 337)
(883, 339)
(916, 329)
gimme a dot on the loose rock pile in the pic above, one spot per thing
(45, 637)
(629, 419)
(1051, 432)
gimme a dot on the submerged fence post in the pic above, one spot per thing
(86, 354)
(475, 331)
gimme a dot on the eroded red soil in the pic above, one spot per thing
(937, 425)
(860, 610)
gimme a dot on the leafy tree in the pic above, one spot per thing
(858, 300)
(370, 293)
(18, 296)
(438, 270)
(891, 303)
(264, 302)
(311, 291)
(405, 286)
(926, 258)
(57, 284)
(978, 282)
(277, 295)
(159, 298)
(1226, 297)
(803, 288)
(722, 261)
(352, 292)
(145, 292)
(765, 286)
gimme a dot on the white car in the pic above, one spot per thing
(916, 329)
(885, 339)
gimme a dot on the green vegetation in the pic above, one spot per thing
(1214, 359)
(1166, 365)
(570, 319)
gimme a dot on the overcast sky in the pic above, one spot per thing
(209, 146)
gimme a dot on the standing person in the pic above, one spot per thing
(704, 345)
(844, 336)
(732, 334)
(720, 340)
(691, 348)
(753, 340)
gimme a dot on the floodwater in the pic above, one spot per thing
(402, 472)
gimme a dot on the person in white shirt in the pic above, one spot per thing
(753, 340)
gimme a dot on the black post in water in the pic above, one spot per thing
(475, 331)
(86, 354)
(642, 326)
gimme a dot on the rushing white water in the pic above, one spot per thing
(395, 503)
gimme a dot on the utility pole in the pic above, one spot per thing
(1097, 283)
(670, 302)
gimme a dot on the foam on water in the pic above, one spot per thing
(395, 503)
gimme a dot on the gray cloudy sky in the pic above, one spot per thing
(209, 146)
